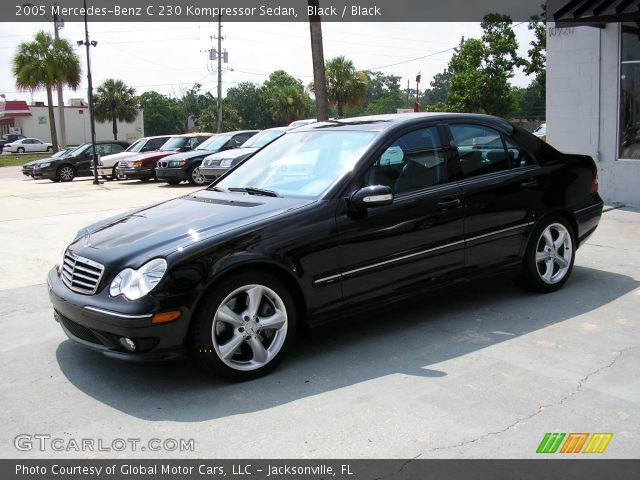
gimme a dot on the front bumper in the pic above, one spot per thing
(105, 171)
(211, 173)
(91, 322)
(171, 174)
(48, 172)
(135, 172)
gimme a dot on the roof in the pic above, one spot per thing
(379, 123)
(14, 108)
(593, 12)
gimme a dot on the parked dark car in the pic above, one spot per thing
(8, 138)
(143, 166)
(76, 163)
(186, 166)
(322, 223)
(27, 168)
(219, 163)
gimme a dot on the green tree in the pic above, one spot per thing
(114, 101)
(536, 63)
(208, 118)
(481, 69)
(45, 63)
(345, 85)
(286, 98)
(439, 90)
(252, 108)
(162, 114)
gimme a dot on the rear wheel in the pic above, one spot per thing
(49, 149)
(66, 173)
(550, 255)
(245, 326)
(20, 150)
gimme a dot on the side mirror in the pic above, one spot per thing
(88, 154)
(373, 196)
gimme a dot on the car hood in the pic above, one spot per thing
(177, 224)
(234, 153)
(33, 162)
(193, 154)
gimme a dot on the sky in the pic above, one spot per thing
(170, 57)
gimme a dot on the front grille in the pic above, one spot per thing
(81, 274)
(80, 331)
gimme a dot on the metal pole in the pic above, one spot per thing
(63, 127)
(92, 120)
(219, 73)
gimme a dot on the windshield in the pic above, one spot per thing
(175, 143)
(137, 146)
(300, 164)
(262, 138)
(214, 143)
(81, 149)
(61, 153)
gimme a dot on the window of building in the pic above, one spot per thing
(629, 121)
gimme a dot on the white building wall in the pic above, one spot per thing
(78, 126)
(582, 105)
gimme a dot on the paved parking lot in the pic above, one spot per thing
(484, 374)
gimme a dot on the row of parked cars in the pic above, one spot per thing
(197, 158)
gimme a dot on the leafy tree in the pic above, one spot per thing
(439, 89)
(536, 64)
(251, 106)
(114, 101)
(162, 114)
(481, 69)
(208, 118)
(45, 63)
(345, 85)
(286, 98)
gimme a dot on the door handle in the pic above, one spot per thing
(530, 183)
(451, 203)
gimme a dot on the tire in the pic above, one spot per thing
(20, 150)
(107, 177)
(550, 255)
(225, 321)
(116, 175)
(173, 182)
(65, 173)
(195, 177)
(49, 149)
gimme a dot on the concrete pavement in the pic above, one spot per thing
(481, 374)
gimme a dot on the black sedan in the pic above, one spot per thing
(186, 166)
(27, 168)
(76, 163)
(219, 163)
(332, 218)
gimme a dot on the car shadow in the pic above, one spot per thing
(406, 339)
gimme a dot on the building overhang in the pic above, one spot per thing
(14, 108)
(595, 13)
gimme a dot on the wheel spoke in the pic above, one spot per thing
(275, 321)
(255, 298)
(562, 235)
(548, 238)
(541, 256)
(228, 349)
(226, 315)
(549, 270)
(259, 352)
(562, 263)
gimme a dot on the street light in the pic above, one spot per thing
(92, 120)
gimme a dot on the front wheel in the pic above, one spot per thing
(550, 255)
(244, 328)
(66, 173)
(195, 177)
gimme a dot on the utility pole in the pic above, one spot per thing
(219, 73)
(57, 25)
(92, 119)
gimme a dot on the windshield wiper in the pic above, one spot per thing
(215, 189)
(255, 191)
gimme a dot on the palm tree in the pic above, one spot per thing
(114, 101)
(317, 55)
(345, 85)
(45, 63)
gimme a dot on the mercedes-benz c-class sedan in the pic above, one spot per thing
(330, 219)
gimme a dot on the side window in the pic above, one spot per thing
(155, 143)
(413, 162)
(480, 149)
(116, 147)
(519, 156)
(195, 141)
(103, 149)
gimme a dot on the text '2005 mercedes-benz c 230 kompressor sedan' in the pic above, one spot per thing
(330, 219)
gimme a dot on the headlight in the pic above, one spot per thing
(134, 284)
(43, 165)
(226, 163)
(178, 163)
(137, 163)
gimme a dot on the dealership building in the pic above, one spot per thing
(16, 116)
(593, 89)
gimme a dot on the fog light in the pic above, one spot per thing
(128, 344)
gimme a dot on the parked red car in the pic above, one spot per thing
(143, 166)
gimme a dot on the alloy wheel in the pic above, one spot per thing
(249, 327)
(197, 177)
(553, 253)
(65, 174)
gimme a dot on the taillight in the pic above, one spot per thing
(594, 182)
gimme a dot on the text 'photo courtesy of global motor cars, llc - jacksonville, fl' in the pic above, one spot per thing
(375, 240)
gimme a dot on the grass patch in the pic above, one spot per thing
(12, 160)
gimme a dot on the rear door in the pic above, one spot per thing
(417, 240)
(502, 186)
